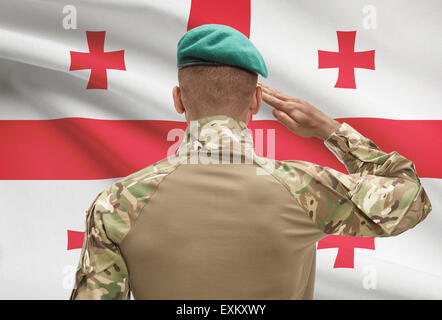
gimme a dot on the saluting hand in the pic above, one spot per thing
(298, 115)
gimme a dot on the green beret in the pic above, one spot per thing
(216, 44)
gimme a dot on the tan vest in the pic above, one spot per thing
(221, 231)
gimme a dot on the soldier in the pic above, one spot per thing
(191, 227)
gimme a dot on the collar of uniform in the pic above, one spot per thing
(215, 132)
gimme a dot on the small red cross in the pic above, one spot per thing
(346, 246)
(346, 59)
(97, 60)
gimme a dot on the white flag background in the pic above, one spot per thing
(62, 144)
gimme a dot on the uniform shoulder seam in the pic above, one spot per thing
(283, 182)
(156, 189)
(131, 194)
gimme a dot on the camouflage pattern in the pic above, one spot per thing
(102, 272)
(212, 136)
(381, 196)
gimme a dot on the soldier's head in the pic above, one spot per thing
(218, 69)
(211, 90)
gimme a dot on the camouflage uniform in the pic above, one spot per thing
(169, 250)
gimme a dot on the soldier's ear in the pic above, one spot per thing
(178, 103)
(256, 101)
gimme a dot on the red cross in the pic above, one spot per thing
(97, 60)
(346, 59)
(346, 246)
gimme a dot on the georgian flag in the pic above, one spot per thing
(85, 99)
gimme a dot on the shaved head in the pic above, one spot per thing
(210, 90)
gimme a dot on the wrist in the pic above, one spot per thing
(328, 128)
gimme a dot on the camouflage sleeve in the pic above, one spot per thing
(381, 196)
(101, 273)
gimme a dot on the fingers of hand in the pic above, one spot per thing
(274, 101)
(294, 108)
(289, 107)
(285, 119)
(276, 93)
